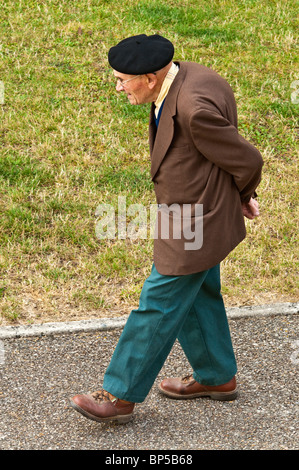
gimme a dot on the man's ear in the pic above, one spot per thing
(151, 80)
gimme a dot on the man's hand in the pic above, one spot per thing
(251, 209)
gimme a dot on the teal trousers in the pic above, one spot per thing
(188, 308)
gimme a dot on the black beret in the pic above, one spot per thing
(138, 55)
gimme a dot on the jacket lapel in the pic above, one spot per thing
(161, 138)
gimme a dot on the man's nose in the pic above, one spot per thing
(119, 87)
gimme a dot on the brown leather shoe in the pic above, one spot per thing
(187, 387)
(102, 406)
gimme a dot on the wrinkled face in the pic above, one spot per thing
(138, 88)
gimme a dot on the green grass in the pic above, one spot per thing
(68, 143)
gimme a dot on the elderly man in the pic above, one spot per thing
(198, 159)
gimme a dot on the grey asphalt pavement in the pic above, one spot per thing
(41, 366)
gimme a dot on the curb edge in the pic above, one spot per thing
(104, 324)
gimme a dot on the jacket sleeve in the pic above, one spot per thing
(219, 141)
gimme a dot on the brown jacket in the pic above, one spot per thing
(198, 157)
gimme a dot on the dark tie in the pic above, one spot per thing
(157, 119)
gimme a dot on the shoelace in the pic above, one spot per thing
(102, 395)
(187, 378)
